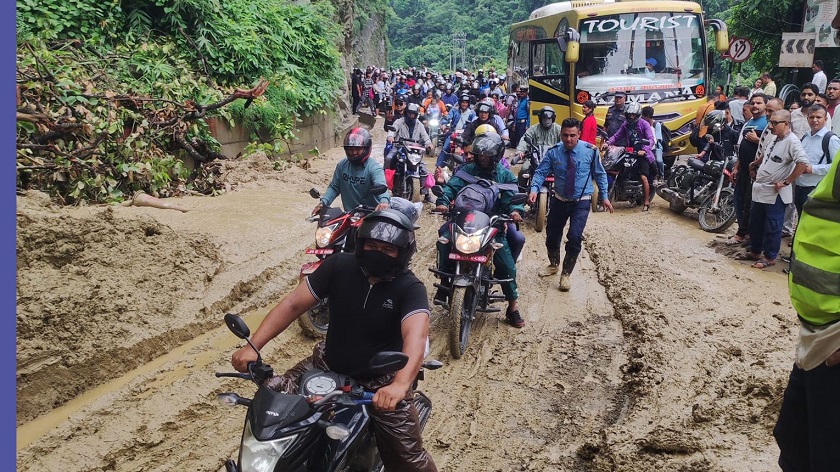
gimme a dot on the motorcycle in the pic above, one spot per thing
(472, 234)
(707, 186)
(624, 183)
(540, 208)
(334, 234)
(433, 124)
(410, 170)
(325, 426)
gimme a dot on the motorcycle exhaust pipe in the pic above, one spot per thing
(669, 194)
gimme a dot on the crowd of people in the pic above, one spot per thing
(784, 155)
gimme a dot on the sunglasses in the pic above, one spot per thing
(775, 123)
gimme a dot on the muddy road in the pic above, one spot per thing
(665, 355)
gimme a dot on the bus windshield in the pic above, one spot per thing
(650, 55)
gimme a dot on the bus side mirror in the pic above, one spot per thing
(721, 34)
(570, 43)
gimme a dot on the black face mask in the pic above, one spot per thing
(377, 263)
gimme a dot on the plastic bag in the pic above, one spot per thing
(429, 182)
(389, 178)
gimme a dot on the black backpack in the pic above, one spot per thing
(826, 138)
(479, 194)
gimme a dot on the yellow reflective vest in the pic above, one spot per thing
(814, 279)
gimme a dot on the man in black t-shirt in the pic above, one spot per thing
(376, 304)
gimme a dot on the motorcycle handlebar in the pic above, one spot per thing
(238, 375)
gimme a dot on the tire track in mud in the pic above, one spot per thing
(708, 341)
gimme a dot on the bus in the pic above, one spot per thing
(573, 51)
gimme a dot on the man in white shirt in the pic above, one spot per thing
(778, 165)
(820, 80)
(819, 162)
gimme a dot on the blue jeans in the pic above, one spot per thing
(576, 213)
(806, 430)
(766, 221)
(660, 163)
(443, 151)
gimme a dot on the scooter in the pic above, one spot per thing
(335, 233)
(324, 426)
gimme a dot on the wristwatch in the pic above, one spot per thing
(785, 182)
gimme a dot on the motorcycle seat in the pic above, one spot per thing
(696, 164)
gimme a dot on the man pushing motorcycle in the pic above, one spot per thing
(574, 165)
(376, 304)
(486, 150)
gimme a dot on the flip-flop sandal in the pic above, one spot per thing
(763, 264)
(746, 256)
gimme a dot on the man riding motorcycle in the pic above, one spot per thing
(633, 131)
(484, 111)
(355, 175)
(461, 116)
(407, 127)
(486, 151)
(545, 133)
(376, 304)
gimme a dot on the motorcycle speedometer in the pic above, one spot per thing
(324, 234)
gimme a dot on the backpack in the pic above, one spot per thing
(479, 194)
(826, 138)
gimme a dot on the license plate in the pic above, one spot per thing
(461, 257)
(310, 250)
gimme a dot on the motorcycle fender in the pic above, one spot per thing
(309, 267)
(462, 281)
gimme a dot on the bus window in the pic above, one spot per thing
(518, 52)
(548, 64)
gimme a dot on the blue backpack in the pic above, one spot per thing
(479, 194)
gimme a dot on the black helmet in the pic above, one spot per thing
(489, 144)
(389, 226)
(547, 116)
(355, 139)
(715, 120)
(409, 209)
(412, 108)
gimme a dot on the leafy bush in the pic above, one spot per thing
(97, 68)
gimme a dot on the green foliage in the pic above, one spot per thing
(420, 31)
(75, 56)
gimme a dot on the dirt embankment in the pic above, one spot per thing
(666, 355)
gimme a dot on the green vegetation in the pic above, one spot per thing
(420, 31)
(112, 92)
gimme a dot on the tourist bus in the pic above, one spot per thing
(572, 51)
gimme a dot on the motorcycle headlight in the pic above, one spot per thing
(434, 122)
(468, 243)
(414, 158)
(261, 456)
(323, 235)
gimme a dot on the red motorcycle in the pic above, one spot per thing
(335, 233)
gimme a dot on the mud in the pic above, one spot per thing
(666, 354)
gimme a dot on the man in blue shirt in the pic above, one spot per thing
(521, 115)
(574, 165)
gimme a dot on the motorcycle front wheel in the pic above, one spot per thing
(718, 220)
(461, 312)
(542, 212)
(315, 321)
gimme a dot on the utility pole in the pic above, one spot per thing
(458, 56)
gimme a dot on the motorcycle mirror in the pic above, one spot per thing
(237, 326)
(437, 190)
(527, 140)
(459, 158)
(387, 362)
(390, 128)
(314, 193)
(519, 198)
(378, 189)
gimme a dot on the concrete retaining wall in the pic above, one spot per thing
(313, 131)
